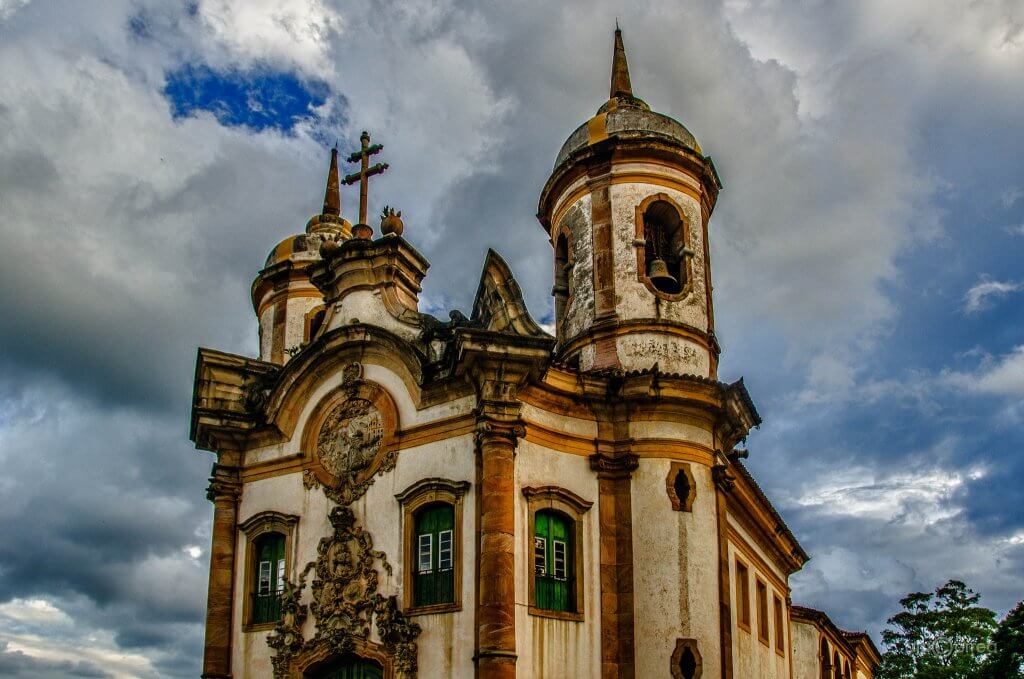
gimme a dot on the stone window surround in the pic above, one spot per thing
(640, 243)
(254, 527)
(566, 293)
(681, 504)
(412, 499)
(780, 616)
(763, 625)
(677, 656)
(573, 506)
(743, 621)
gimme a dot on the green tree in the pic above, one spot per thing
(1006, 660)
(940, 635)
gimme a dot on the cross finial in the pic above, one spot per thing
(362, 156)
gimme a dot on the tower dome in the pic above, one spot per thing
(627, 208)
(625, 116)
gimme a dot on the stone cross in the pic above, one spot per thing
(365, 171)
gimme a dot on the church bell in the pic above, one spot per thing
(657, 271)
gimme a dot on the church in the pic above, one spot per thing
(400, 496)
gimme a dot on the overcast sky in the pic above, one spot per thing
(866, 256)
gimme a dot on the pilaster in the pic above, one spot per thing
(496, 438)
(224, 491)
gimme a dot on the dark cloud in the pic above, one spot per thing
(867, 164)
(17, 664)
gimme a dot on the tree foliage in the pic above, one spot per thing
(940, 635)
(1006, 660)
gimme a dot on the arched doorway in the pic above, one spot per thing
(347, 667)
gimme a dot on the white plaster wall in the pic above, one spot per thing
(579, 313)
(266, 332)
(677, 431)
(447, 640)
(557, 422)
(295, 321)
(366, 306)
(675, 577)
(805, 650)
(548, 648)
(751, 657)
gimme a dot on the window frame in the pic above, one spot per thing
(763, 624)
(681, 504)
(574, 508)
(640, 243)
(779, 611)
(743, 611)
(253, 529)
(412, 499)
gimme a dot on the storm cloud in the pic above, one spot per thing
(152, 153)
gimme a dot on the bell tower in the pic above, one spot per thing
(626, 209)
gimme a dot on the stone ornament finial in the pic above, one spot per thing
(391, 222)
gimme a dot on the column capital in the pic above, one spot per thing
(224, 484)
(621, 465)
(490, 430)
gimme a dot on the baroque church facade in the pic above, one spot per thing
(398, 496)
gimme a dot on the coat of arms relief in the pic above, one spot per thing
(352, 444)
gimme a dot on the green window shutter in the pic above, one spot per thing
(268, 578)
(554, 586)
(434, 574)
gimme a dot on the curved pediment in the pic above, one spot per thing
(328, 356)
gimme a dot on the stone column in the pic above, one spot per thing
(615, 513)
(224, 491)
(496, 602)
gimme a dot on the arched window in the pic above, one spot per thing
(837, 668)
(268, 578)
(554, 553)
(664, 239)
(314, 321)
(561, 289)
(348, 667)
(432, 534)
(846, 670)
(268, 537)
(826, 665)
(434, 580)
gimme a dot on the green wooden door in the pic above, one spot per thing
(269, 578)
(554, 572)
(349, 667)
(434, 580)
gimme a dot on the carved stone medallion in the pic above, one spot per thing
(350, 437)
(352, 440)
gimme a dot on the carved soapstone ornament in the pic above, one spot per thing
(345, 604)
(350, 444)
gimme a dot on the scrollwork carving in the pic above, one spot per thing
(345, 602)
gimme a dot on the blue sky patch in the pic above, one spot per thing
(257, 99)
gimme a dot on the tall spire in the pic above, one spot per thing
(620, 69)
(332, 197)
